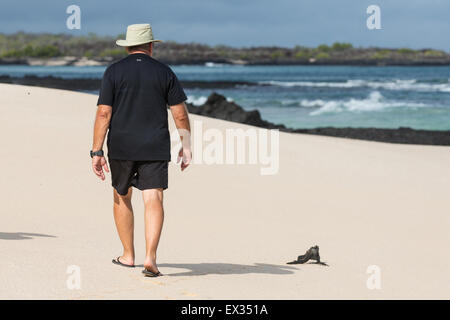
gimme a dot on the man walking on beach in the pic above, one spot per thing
(132, 104)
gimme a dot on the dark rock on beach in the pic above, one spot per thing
(54, 82)
(88, 84)
(217, 106)
(400, 135)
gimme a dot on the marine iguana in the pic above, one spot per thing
(311, 254)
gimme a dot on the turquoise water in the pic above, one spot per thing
(315, 96)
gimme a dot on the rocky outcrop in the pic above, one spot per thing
(217, 106)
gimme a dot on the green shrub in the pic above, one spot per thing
(276, 54)
(244, 56)
(44, 52)
(115, 53)
(12, 54)
(303, 55)
(29, 51)
(381, 54)
(341, 46)
(322, 55)
(434, 53)
(405, 51)
(323, 48)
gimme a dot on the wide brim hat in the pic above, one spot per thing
(137, 34)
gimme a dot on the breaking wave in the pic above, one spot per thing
(199, 100)
(196, 101)
(213, 64)
(405, 85)
(374, 102)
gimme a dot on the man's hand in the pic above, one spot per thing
(98, 164)
(185, 155)
(181, 118)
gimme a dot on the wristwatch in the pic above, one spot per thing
(98, 153)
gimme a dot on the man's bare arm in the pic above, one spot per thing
(101, 125)
(181, 118)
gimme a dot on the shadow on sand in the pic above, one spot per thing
(22, 235)
(200, 269)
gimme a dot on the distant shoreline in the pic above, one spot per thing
(218, 107)
(63, 49)
(73, 61)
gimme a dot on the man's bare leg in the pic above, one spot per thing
(154, 218)
(123, 216)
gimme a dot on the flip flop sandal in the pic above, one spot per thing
(117, 261)
(148, 273)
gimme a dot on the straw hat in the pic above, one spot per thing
(137, 34)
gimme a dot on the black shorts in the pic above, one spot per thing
(140, 174)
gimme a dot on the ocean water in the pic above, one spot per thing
(314, 96)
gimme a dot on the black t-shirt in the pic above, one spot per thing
(139, 89)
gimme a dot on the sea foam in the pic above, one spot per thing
(402, 85)
(374, 102)
(199, 100)
(196, 101)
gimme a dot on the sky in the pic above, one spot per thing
(245, 23)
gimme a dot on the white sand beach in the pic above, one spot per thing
(228, 230)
